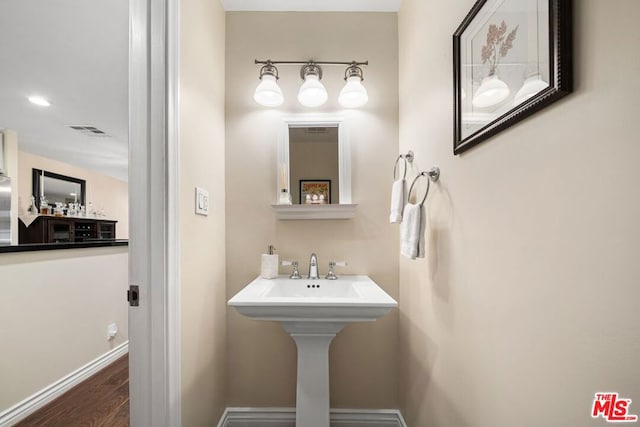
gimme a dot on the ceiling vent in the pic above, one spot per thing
(316, 130)
(89, 130)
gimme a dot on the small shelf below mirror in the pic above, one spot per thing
(337, 211)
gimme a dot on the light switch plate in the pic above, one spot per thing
(202, 201)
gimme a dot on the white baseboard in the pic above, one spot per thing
(36, 401)
(286, 417)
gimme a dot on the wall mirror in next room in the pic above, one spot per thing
(314, 166)
(56, 188)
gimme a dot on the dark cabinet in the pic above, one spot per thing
(106, 230)
(58, 231)
(52, 229)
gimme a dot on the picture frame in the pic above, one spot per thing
(320, 188)
(511, 58)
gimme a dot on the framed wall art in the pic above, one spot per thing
(511, 59)
(315, 191)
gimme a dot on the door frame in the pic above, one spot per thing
(154, 326)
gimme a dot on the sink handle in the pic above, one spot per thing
(331, 275)
(295, 273)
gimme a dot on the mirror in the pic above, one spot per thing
(314, 161)
(57, 188)
(313, 165)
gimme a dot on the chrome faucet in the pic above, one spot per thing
(313, 267)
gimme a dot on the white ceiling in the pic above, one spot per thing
(313, 5)
(74, 53)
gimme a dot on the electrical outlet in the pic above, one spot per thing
(202, 201)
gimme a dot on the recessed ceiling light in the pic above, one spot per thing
(38, 100)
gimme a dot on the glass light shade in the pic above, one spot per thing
(268, 93)
(353, 94)
(532, 85)
(492, 91)
(312, 92)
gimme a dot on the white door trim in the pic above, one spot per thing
(154, 339)
(173, 209)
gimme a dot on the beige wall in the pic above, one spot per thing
(54, 310)
(106, 193)
(261, 356)
(527, 302)
(202, 238)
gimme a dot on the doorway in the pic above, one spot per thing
(63, 309)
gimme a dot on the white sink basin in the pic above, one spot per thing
(307, 288)
(348, 299)
(313, 312)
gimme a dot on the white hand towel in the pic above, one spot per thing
(412, 230)
(397, 200)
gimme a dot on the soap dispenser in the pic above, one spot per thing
(269, 267)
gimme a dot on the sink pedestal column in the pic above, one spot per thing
(312, 396)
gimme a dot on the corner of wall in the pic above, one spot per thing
(532, 258)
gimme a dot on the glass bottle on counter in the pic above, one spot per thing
(31, 210)
(45, 209)
(73, 209)
(59, 209)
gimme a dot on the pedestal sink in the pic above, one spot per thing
(313, 312)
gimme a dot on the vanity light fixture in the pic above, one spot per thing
(312, 93)
(268, 93)
(353, 94)
(39, 100)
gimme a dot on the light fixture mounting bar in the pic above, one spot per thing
(268, 61)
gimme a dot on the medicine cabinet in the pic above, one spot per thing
(314, 166)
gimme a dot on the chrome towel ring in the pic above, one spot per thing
(432, 174)
(407, 158)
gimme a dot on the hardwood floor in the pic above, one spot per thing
(101, 400)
